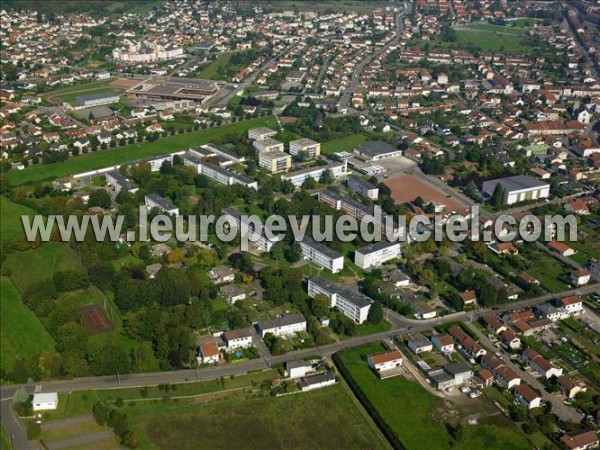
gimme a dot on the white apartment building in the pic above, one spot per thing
(268, 145)
(298, 177)
(119, 182)
(363, 187)
(146, 52)
(219, 174)
(376, 254)
(256, 134)
(156, 201)
(282, 326)
(305, 146)
(262, 243)
(274, 160)
(351, 304)
(321, 255)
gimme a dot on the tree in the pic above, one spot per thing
(101, 412)
(100, 198)
(326, 177)
(320, 305)
(173, 287)
(101, 275)
(498, 197)
(375, 313)
(109, 359)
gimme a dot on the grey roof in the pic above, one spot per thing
(282, 321)
(318, 378)
(516, 183)
(304, 142)
(361, 183)
(229, 173)
(97, 96)
(355, 298)
(375, 148)
(322, 248)
(296, 364)
(350, 201)
(376, 247)
(162, 202)
(439, 376)
(192, 158)
(121, 180)
(456, 368)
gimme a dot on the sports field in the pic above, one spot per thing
(21, 332)
(129, 153)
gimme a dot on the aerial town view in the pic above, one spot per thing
(300, 224)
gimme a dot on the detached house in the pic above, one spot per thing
(443, 343)
(527, 396)
(540, 365)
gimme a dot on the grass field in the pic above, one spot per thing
(325, 418)
(11, 226)
(21, 331)
(128, 153)
(546, 269)
(497, 28)
(345, 144)
(489, 41)
(39, 264)
(418, 418)
(210, 71)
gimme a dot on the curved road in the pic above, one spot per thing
(400, 326)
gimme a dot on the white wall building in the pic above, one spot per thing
(45, 402)
(518, 188)
(376, 254)
(282, 326)
(156, 201)
(351, 304)
(321, 255)
(298, 177)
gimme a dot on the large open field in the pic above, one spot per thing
(106, 158)
(11, 226)
(322, 419)
(210, 71)
(417, 418)
(21, 331)
(39, 264)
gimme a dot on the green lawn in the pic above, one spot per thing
(321, 419)
(21, 331)
(39, 264)
(368, 328)
(345, 144)
(4, 439)
(545, 268)
(11, 226)
(415, 416)
(128, 153)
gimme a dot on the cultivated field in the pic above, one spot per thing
(129, 153)
(405, 188)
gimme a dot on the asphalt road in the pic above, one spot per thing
(400, 326)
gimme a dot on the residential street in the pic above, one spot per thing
(558, 407)
(400, 326)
